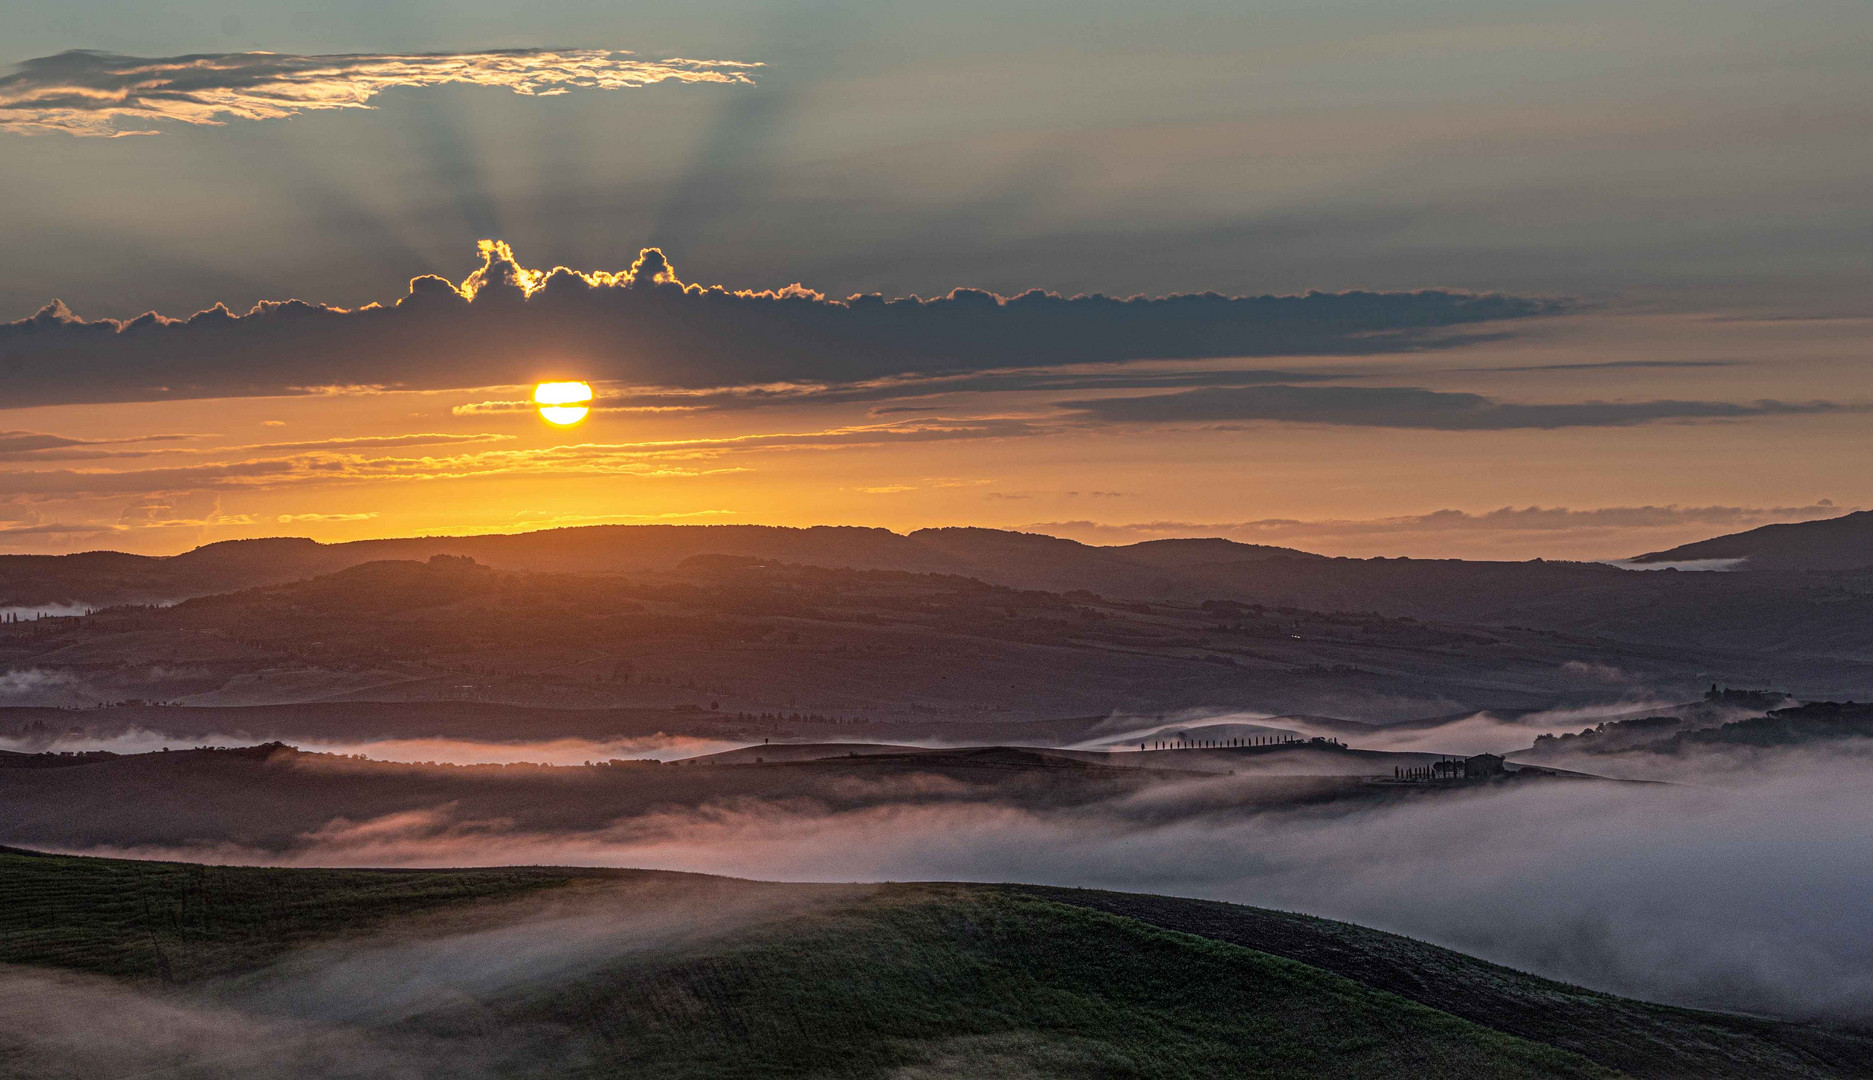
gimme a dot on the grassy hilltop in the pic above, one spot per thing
(905, 981)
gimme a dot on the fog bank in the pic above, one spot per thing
(1746, 890)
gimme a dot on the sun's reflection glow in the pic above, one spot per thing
(563, 403)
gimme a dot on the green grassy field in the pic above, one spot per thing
(1637, 1037)
(899, 981)
(182, 922)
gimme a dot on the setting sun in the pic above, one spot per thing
(1402, 463)
(563, 403)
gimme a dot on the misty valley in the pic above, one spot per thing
(630, 802)
(819, 540)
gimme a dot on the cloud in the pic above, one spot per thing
(287, 519)
(28, 446)
(54, 528)
(339, 443)
(644, 327)
(1607, 365)
(899, 388)
(82, 92)
(370, 442)
(183, 478)
(1412, 407)
(43, 446)
(648, 459)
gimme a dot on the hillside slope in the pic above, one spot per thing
(766, 637)
(1842, 543)
(905, 981)
(1009, 558)
(1784, 622)
(1636, 1037)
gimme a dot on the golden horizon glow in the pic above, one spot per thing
(563, 403)
(1000, 460)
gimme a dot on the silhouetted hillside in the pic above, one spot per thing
(735, 633)
(1799, 628)
(1205, 552)
(1842, 543)
(1022, 559)
(1814, 722)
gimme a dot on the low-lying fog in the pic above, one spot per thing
(1480, 733)
(330, 1011)
(1744, 887)
(18, 613)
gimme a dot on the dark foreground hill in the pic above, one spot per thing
(167, 969)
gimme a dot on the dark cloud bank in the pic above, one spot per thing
(507, 325)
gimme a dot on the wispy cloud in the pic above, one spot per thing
(32, 446)
(901, 388)
(287, 519)
(326, 465)
(82, 92)
(1413, 407)
(370, 442)
(53, 528)
(45, 446)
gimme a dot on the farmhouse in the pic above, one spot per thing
(1482, 766)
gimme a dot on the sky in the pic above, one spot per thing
(1586, 279)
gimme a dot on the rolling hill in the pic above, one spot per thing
(279, 801)
(744, 635)
(1814, 724)
(1800, 616)
(1026, 560)
(1842, 543)
(620, 973)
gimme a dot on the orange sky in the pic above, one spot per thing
(257, 466)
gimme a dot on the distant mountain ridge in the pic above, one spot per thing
(1796, 618)
(1027, 560)
(1842, 543)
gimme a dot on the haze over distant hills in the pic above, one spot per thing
(759, 636)
(1801, 616)
(1186, 567)
(1028, 560)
